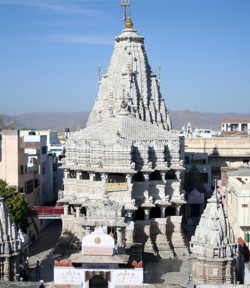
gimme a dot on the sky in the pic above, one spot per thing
(50, 51)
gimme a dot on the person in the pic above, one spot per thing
(38, 271)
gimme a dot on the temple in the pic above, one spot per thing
(10, 245)
(124, 171)
(213, 246)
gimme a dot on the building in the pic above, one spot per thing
(235, 127)
(124, 171)
(25, 164)
(231, 152)
(99, 264)
(53, 144)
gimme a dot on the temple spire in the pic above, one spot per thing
(125, 4)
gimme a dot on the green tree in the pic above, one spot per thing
(16, 203)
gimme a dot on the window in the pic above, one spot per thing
(36, 183)
(245, 162)
(44, 149)
(21, 169)
(187, 160)
(29, 186)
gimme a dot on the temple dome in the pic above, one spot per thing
(129, 78)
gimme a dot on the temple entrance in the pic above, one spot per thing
(98, 282)
(98, 279)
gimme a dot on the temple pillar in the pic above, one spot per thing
(163, 210)
(129, 179)
(178, 210)
(148, 246)
(87, 230)
(146, 214)
(65, 209)
(77, 212)
(6, 269)
(78, 175)
(104, 177)
(178, 175)
(119, 236)
(71, 210)
(146, 177)
(66, 173)
(129, 233)
(92, 176)
(163, 174)
(177, 236)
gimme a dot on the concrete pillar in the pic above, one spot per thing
(66, 209)
(240, 127)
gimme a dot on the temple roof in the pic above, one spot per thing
(121, 141)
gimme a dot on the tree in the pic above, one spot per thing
(16, 203)
(8, 126)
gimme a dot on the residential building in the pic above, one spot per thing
(25, 164)
(235, 127)
(228, 152)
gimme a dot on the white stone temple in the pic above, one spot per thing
(124, 171)
(213, 246)
(10, 245)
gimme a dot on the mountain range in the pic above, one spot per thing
(77, 120)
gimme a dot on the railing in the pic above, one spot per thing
(46, 211)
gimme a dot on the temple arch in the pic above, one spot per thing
(155, 212)
(139, 214)
(139, 177)
(155, 176)
(85, 175)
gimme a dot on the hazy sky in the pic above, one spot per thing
(50, 51)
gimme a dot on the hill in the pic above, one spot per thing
(77, 120)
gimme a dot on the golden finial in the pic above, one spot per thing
(125, 4)
(129, 24)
